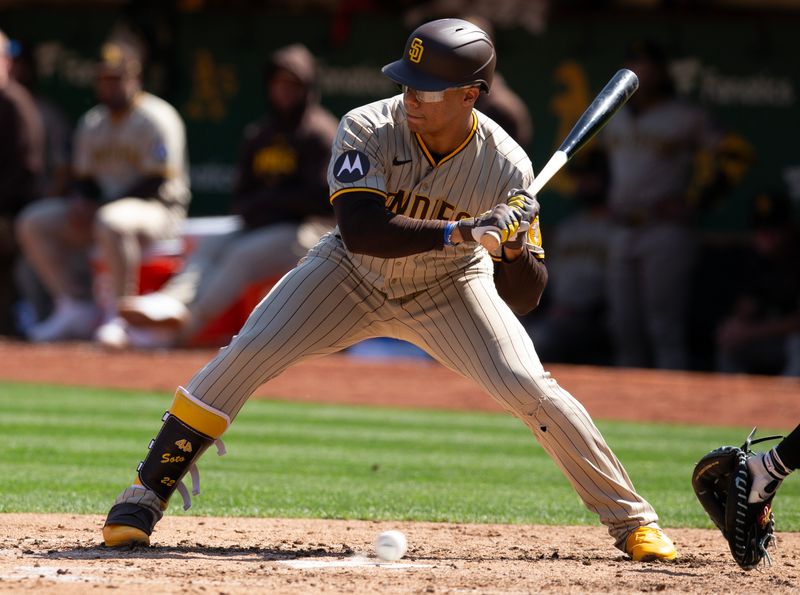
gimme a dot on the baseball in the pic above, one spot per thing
(390, 545)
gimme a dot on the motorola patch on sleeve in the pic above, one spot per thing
(350, 166)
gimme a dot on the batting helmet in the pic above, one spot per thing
(443, 54)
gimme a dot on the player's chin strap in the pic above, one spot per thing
(190, 427)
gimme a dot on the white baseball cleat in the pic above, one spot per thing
(71, 320)
(113, 334)
(116, 335)
(154, 309)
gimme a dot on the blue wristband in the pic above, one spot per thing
(448, 231)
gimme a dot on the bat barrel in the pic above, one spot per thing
(607, 103)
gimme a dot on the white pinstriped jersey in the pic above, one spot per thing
(149, 140)
(375, 151)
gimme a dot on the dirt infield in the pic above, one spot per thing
(62, 553)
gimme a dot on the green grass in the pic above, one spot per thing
(73, 450)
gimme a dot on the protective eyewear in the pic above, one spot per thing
(428, 96)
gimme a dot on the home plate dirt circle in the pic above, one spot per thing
(63, 554)
(354, 562)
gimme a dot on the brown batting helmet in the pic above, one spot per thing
(445, 53)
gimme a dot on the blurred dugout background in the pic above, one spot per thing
(737, 57)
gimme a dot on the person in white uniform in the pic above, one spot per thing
(132, 188)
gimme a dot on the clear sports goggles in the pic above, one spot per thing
(429, 96)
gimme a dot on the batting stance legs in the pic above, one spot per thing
(324, 306)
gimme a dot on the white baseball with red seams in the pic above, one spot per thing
(391, 545)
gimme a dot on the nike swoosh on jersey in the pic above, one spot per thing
(397, 161)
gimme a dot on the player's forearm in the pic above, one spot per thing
(521, 282)
(368, 228)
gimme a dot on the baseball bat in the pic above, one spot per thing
(607, 103)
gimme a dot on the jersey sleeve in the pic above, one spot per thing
(164, 144)
(356, 164)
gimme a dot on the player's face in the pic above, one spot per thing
(285, 91)
(651, 78)
(116, 91)
(440, 115)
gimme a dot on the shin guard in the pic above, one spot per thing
(190, 427)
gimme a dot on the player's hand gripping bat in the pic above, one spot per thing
(607, 103)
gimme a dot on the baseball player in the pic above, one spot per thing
(651, 144)
(415, 179)
(281, 195)
(131, 189)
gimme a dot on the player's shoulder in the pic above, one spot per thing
(157, 111)
(16, 97)
(497, 141)
(378, 114)
(93, 118)
(321, 123)
(320, 114)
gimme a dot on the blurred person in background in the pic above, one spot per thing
(131, 188)
(54, 179)
(761, 333)
(573, 327)
(281, 194)
(58, 130)
(21, 166)
(652, 145)
(503, 105)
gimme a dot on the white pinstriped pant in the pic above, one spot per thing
(323, 306)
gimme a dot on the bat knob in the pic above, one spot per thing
(490, 240)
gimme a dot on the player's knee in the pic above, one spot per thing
(107, 228)
(536, 392)
(30, 224)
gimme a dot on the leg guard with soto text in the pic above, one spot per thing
(190, 427)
